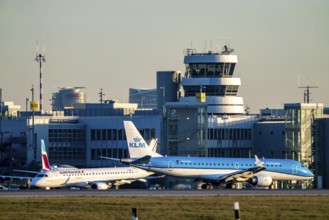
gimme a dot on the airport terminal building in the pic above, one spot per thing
(196, 113)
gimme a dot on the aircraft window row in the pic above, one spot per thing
(227, 164)
(93, 174)
(213, 164)
(266, 165)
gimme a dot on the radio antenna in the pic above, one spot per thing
(306, 91)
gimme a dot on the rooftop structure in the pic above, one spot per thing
(299, 119)
(66, 97)
(212, 73)
(145, 98)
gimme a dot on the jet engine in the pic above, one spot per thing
(261, 180)
(100, 186)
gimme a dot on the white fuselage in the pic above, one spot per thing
(85, 177)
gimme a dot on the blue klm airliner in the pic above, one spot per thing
(212, 171)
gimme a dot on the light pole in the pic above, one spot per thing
(26, 103)
(33, 139)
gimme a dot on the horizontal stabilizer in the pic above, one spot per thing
(144, 160)
(26, 171)
(110, 158)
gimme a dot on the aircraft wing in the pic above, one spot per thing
(16, 177)
(241, 175)
(106, 184)
(130, 180)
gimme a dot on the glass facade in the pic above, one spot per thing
(145, 98)
(230, 142)
(187, 130)
(228, 90)
(108, 142)
(299, 119)
(67, 143)
(209, 70)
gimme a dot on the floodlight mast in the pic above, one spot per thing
(40, 58)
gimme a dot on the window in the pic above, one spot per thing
(109, 134)
(120, 134)
(104, 134)
(93, 134)
(98, 134)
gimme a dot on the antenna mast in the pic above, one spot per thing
(40, 58)
(101, 94)
(307, 92)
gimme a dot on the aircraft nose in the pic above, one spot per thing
(35, 182)
(309, 173)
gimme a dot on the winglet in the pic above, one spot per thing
(258, 162)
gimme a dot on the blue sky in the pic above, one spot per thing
(115, 45)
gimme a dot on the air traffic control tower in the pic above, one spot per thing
(209, 115)
(211, 75)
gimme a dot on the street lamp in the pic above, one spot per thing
(26, 103)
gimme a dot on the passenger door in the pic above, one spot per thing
(170, 165)
(293, 168)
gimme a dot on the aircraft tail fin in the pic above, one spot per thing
(136, 144)
(44, 157)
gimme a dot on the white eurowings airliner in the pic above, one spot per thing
(45, 167)
(212, 171)
(96, 178)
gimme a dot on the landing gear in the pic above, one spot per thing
(207, 186)
(231, 186)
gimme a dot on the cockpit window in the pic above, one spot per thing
(42, 175)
